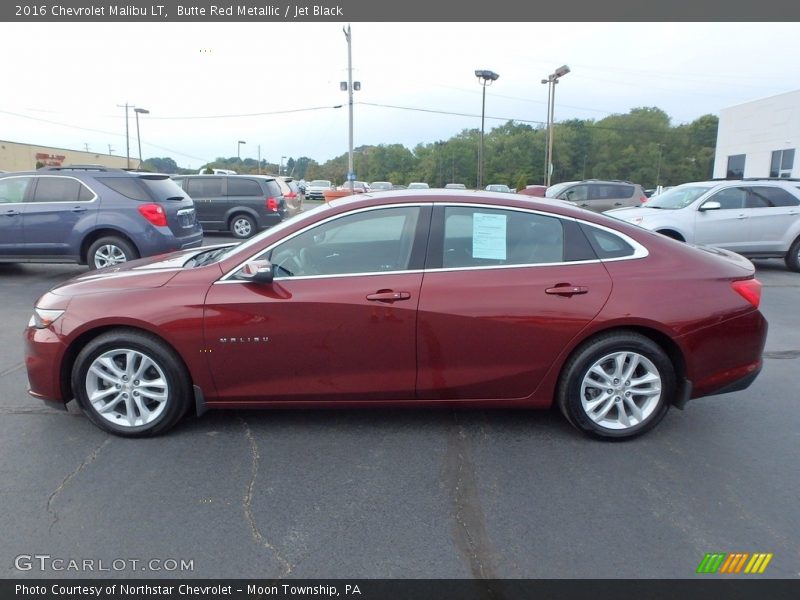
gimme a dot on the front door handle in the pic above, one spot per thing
(741, 217)
(566, 290)
(11, 213)
(79, 209)
(388, 296)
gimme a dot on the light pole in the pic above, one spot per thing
(239, 149)
(127, 136)
(658, 167)
(551, 82)
(280, 166)
(350, 86)
(139, 111)
(485, 77)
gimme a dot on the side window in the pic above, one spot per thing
(606, 244)
(577, 193)
(731, 198)
(610, 191)
(476, 237)
(243, 187)
(57, 189)
(771, 196)
(13, 189)
(373, 241)
(204, 187)
(130, 187)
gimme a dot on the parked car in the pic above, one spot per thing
(486, 300)
(315, 190)
(598, 195)
(498, 187)
(291, 193)
(418, 185)
(455, 186)
(533, 190)
(759, 218)
(380, 186)
(93, 215)
(240, 204)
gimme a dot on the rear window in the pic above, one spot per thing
(244, 187)
(273, 188)
(162, 188)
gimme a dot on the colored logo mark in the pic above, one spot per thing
(735, 562)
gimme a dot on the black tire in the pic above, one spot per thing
(108, 251)
(580, 388)
(243, 226)
(136, 410)
(793, 257)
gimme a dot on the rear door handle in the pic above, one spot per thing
(11, 213)
(741, 217)
(566, 290)
(388, 296)
(79, 209)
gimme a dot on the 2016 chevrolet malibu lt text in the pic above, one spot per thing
(437, 298)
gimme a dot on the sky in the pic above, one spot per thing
(275, 85)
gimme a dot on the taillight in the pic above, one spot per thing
(154, 213)
(272, 204)
(291, 195)
(749, 289)
(643, 199)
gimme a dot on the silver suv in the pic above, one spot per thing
(759, 218)
(598, 195)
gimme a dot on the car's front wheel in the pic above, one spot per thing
(617, 385)
(108, 251)
(130, 383)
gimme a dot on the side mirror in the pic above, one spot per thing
(257, 271)
(711, 205)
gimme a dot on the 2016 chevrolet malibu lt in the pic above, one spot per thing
(437, 298)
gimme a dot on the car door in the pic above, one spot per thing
(579, 194)
(338, 323)
(13, 191)
(57, 214)
(727, 226)
(772, 212)
(209, 200)
(504, 293)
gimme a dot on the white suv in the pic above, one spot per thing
(759, 218)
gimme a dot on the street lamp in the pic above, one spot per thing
(485, 77)
(139, 111)
(349, 86)
(658, 167)
(239, 150)
(280, 166)
(551, 82)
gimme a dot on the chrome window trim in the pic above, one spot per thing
(639, 251)
(80, 181)
(226, 278)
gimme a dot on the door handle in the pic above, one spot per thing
(79, 209)
(741, 217)
(566, 290)
(388, 296)
(11, 213)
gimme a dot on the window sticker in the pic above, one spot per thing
(489, 236)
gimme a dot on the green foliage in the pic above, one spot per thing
(641, 146)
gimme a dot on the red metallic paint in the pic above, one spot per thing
(488, 337)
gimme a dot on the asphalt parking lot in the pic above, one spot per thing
(400, 493)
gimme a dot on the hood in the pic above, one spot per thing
(634, 212)
(150, 272)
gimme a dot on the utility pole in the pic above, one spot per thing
(350, 105)
(127, 137)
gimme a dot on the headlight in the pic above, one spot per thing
(42, 318)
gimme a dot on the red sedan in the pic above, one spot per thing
(436, 298)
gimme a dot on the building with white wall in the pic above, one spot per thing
(759, 138)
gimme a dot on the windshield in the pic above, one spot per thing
(678, 197)
(555, 190)
(320, 183)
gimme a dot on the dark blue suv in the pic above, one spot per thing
(93, 215)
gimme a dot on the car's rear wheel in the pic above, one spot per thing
(130, 383)
(243, 226)
(108, 251)
(793, 257)
(617, 385)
